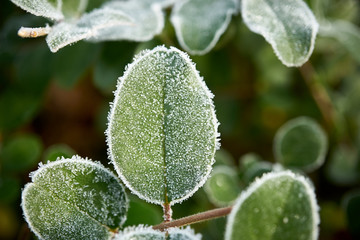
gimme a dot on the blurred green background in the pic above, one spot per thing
(55, 105)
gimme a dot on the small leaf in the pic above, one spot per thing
(278, 206)
(300, 143)
(74, 199)
(147, 233)
(346, 33)
(288, 25)
(223, 157)
(200, 23)
(46, 8)
(56, 151)
(21, 153)
(161, 106)
(222, 187)
(90, 25)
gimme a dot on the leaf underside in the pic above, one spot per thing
(200, 23)
(147, 233)
(74, 199)
(46, 8)
(289, 26)
(162, 133)
(278, 206)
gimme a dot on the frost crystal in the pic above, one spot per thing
(74, 199)
(278, 205)
(200, 23)
(162, 132)
(288, 25)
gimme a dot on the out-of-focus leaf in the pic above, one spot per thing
(73, 8)
(301, 143)
(223, 157)
(347, 10)
(113, 58)
(172, 160)
(200, 23)
(74, 199)
(346, 33)
(8, 223)
(56, 151)
(91, 25)
(342, 168)
(252, 166)
(45, 8)
(278, 206)
(72, 62)
(9, 189)
(288, 25)
(141, 212)
(21, 153)
(222, 187)
(351, 204)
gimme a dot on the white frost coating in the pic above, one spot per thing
(289, 26)
(200, 17)
(269, 176)
(81, 199)
(140, 232)
(186, 233)
(111, 119)
(316, 129)
(147, 17)
(88, 26)
(41, 8)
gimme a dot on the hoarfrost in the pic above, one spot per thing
(276, 193)
(45, 8)
(162, 132)
(289, 26)
(74, 198)
(200, 23)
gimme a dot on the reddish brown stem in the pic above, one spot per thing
(215, 213)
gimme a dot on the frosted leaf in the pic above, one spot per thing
(289, 26)
(147, 233)
(300, 143)
(74, 199)
(278, 206)
(222, 187)
(147, 20)
(162, 132)
(200, 23)
(88, 26)
(46, 8)
(346, 33)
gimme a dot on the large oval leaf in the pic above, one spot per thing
(162, 132)
(200, 23)
(279, 206)
(300, 143)
(288, 25)
(74, 199)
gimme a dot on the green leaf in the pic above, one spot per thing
(346, 33)
(56, 151)
(342, 168)
(73, 8)
(288, 25)
(147, 233)
(161, 106)
(46, 8)
(351, 204)
(223, 157)
(91, 25)
(21, 153)
(301, 143)
(279, 206)
(74, 199)
(200, 23)
(222, 187)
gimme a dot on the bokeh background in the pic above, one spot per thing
(55, 105)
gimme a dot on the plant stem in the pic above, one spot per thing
(200, 217)
(167, 212)
(319, 93)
